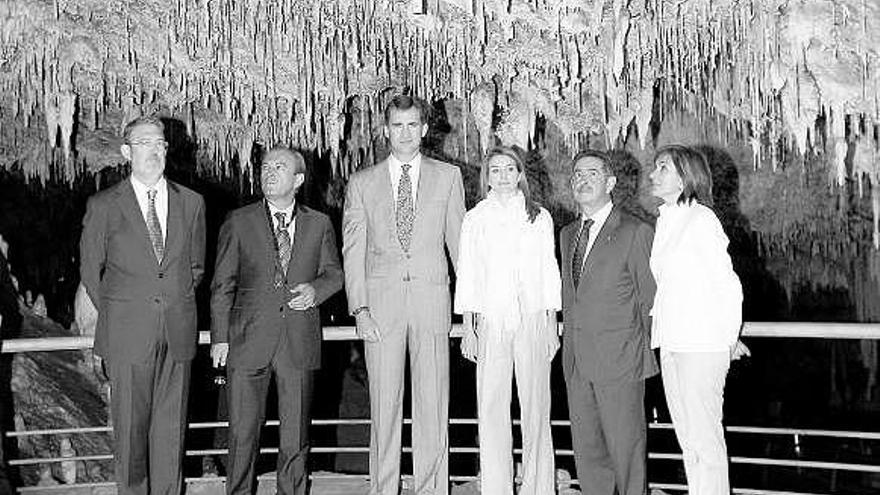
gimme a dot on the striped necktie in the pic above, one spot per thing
(405, 213)
(282, 237)
(154, 228)
(580, 251)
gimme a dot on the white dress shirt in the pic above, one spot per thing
(506, 264)
(598, 219)
(140, 192)
(698, 304)
(288, 217)
(394, 167)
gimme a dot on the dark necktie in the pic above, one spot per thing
(282, 237)
(580, 251)
(405, 212)
(154, 228)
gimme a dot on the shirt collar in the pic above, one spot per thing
(601, 214)
(141, 189)
(414, 163)
(289, 212)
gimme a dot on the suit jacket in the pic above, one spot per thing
(247, 311)
(140, 301)
(376, 267)
(606, 320)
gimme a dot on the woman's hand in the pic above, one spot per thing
(550, 332)
(470, 342)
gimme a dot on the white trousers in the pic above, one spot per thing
(500, 356)
(694, 385)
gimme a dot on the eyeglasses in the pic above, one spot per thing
(152, 143)
(587, 174)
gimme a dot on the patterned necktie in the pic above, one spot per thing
(154, 228)
(282, 236)
(405, 212)
(580, 251)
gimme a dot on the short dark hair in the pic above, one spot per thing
(405, 102)
(299, 163)
(603, 157)
(693, 169)
(152, 120)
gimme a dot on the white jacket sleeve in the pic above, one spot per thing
(725, 284)
(551, 282)
(468, 274)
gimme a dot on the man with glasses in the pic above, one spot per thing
(142, 255)
(607, 294)
(276, 263)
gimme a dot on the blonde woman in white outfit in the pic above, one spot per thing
(697, 313)
(508, 291)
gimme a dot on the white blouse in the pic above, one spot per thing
(506, 265)
(698, 304)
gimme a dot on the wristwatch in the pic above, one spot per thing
(360, 310)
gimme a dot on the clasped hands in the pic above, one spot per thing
(473, 324)
(303, 298)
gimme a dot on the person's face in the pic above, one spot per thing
(405, 131)
(666, 184)
(591, 185)
(145, 149)
(278, 177)
(502, 176)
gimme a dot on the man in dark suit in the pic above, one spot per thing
(607, 294)
(142, 255)
(276, 262)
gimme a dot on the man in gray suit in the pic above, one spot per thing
(607, 294)
(142, 255)
(398, 216)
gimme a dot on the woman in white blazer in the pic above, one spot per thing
(697, 313)
(508, 291)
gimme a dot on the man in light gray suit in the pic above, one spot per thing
(398, 216)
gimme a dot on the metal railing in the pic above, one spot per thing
(344, 333)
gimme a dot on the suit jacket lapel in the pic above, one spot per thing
(302, 228)
(427, 178)
(603, 237)
(385, 196)
(128, 204)
(566, 238)
(264, 231)
(174, 225)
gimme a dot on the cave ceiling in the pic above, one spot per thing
(315, 74)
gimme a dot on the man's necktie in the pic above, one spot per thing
(405, 212)
(580, 251)
(282, 237)
(154, 228)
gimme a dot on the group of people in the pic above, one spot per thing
(623, 288)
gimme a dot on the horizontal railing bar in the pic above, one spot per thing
(798, 463)
(868, 468)
(363, 477)
(736, 491)
(759, 430)
(809, 330)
